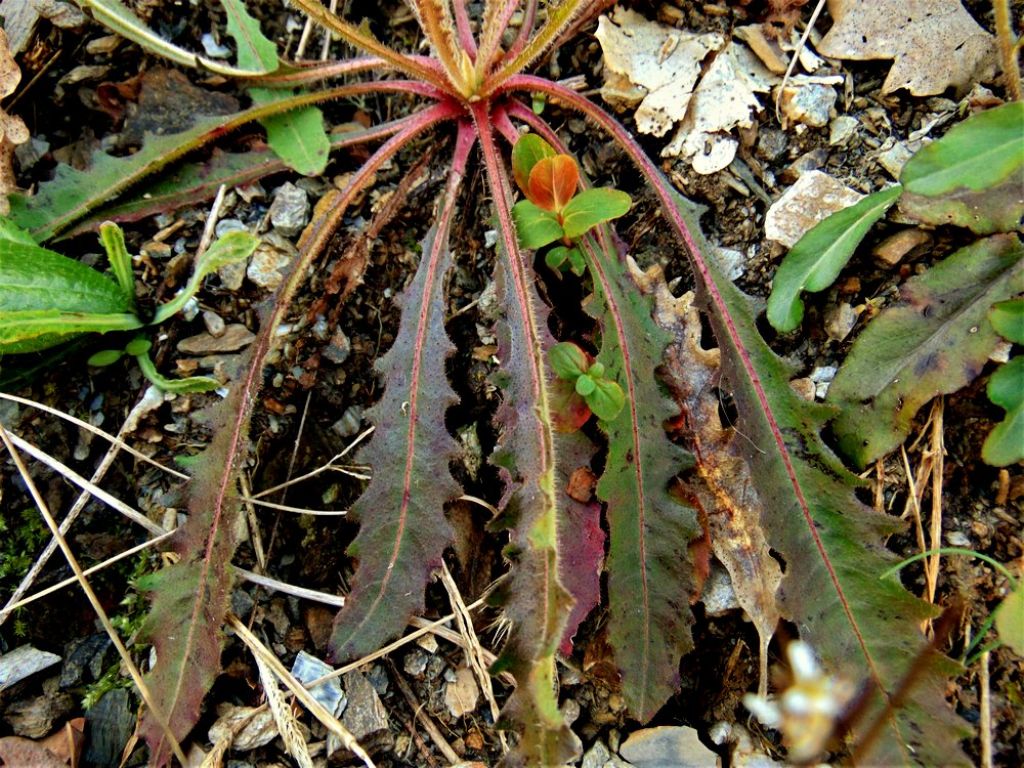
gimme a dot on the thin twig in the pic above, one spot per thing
(985, 726)
(425, 720)
(796, 55)
(210, 229)
(322, 468)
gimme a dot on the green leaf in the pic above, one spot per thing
(190, 385)
(1005, 443)
(13, 233)
(106, 357)
(117, 254)
(229, 248)
(934, 341)
(815, 261)
(585, 386)
(138, 346)
(568, 361)
(1009, 620)
(297, 137)
(526, 153)
(592, 207)
(556, 257)
(577, 263)
(116, 17)
(606, 399)
(981, 152)
(973, 176)
(535, 226)
(46, 298)
(1007, 317)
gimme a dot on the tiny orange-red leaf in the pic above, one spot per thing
(565, 177)
(541, 192)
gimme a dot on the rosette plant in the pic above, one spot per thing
(474, 86)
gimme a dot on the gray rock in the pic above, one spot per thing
(23, 662)
(270, 261)
(668, 746)
(214, 323)
(83, 660)
(308, 668)
(350, 422)
(814, 196)
(809, 103)
(109, 724)
(365, 715)
(36, 717)
(289, 212)
(339, 347)
(415, 662)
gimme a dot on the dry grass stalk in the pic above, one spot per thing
(115, 639)
(284, 718)
(327, 719)
(424, 719)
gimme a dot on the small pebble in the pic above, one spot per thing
(289, 212)
(235, 337)
(349, 423)
(214, 323)
(841, 129)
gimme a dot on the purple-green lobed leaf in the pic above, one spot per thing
(403, 529)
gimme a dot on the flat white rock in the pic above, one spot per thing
(667, 745)
(814, 196)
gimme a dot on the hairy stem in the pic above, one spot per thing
(1007, 48)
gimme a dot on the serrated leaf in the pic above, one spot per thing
(533, 596)
(200, 179)
(934, 341)
(649, 570)
(1005, 443)
(403, 529)
(861, 627)
(534, 226)
(1009, 620)
(831, 544)
(1007, 317)
(814, 262)
(526, 153)
(973, 176)
(592, 207)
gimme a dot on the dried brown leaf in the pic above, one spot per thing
(721, 483)
(934, 43)
(13, 130)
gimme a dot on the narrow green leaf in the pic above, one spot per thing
(592, 207)
(526, 153)
(979, 153)
(1007, 317)
(567, 360)
(11, 232)
(298, 137)
(105, 357)
(190, 385)
(1005, 443)
(815, 261)
(31, 330)
(1010, 620)
(117, 254)
(535, 226)
(115, 16)
(934, 341)
(228, 249)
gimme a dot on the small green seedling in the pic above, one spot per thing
(553, 210)
(1005, 443)
(47, 298)
(589, 390)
